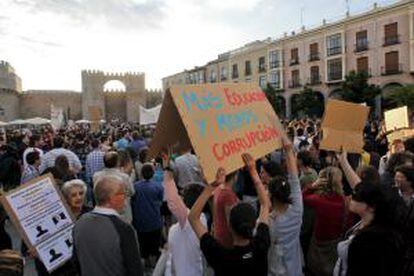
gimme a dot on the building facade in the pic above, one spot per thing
(379, 42)
(123, 105)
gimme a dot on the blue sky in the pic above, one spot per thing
(50, 41)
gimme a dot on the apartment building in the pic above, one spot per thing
(379, 41)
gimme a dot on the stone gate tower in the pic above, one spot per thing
(93, 94)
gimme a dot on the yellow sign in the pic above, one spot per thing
(220, 122)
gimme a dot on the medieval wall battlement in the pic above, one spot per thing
(112, 74)
(57, 92)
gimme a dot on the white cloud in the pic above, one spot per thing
(50, 41)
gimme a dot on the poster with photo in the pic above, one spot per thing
(42, 218)
(57, 249)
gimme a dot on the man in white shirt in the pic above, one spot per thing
(48, 159)
(34, 145)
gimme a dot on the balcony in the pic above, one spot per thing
(334, 51)
(391, 70)
(314, 57)
(223, 78)
(294, 61)
(275, 85)
(248, 72)
(294, 84)
(361, 46)
(335, 77)
(275, 64)
(262, 68)
(314, 80)
(391, 40)
(235, 75)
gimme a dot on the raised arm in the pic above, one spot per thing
(174, 201)
(291, 163)
(260, 189)
(350, 174)
(195, 212)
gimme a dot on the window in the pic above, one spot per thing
(314, 75)
(335, 69)
(235, 72)
(391, 34)
(334, 45)
(274, 59)
(200, 77)
(294, 56)
(247, 68)
(295, 81)
(361, 41)
(262, 64)
(223, 73)
(2, 111)
(262, 81)
(213, 76)
(392, 65)
(314, 52)
(362, 65)
(275, 79)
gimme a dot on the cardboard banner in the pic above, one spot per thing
(396, 119)
(343, 126)
(95, 115)
(220, 122)
(43, 219)
(56, 117)
(149, 116)
(397, 123)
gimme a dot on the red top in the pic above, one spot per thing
(223, 197)
(329, 215)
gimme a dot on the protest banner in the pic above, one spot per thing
(56, 117)
(396, 119)
(397, 124)
(43, 219)
(149, 116)
(343, 125)
(220, 122)
(95, 115)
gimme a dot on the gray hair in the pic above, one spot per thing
(105, 187)
(68, 185)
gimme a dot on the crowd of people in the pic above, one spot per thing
(299, 210)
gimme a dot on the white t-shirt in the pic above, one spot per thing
(185, 257)
(29, 150)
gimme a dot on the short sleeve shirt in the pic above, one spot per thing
(239, 260)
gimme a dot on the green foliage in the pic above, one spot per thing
(308, 103)
(403, 96)
(274, 97)
(356, 89)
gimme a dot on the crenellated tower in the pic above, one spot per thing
(93, 82)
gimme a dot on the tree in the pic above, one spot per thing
(403, 96)
(356, 89)
(308, 103)
(274, 97)
(153, 98)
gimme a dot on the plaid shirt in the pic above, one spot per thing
(48, 159)
(94, 163)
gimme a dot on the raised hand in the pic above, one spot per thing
(249, 161)
(220, 177)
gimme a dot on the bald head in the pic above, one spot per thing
(106, 187)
